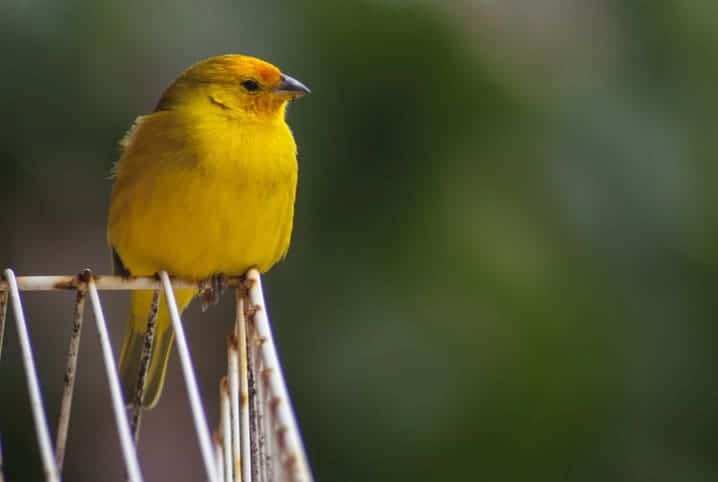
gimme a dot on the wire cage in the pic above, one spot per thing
(257, 437)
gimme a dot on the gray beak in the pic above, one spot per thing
(291, 87)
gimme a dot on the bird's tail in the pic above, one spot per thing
(134, 342)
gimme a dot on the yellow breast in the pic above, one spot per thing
(199, 195)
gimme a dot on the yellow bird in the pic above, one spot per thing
(205, 185)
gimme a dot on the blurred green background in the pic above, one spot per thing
(505, 250)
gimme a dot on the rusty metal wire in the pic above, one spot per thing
(292, 463)
(257, 437)
(63, 424)
(149, 341)
(242, 395)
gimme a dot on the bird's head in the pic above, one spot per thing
(237, 85)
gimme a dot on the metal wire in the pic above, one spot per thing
(226, 429)
(261, 470)
(108, 283)
(33, 384)
(198, 415)
(257, 439)
(3, 316)
(286, 431)
(243, 395)
(123, 428)
(233, 393)
(218, 453)
(145, 358)
(63, 423)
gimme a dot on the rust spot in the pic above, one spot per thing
(232, 343)
(3, 304)
(79, 298)
(78, 312)
(77, 323)
(224, 385)
(84, 276)
(291, 461)
(274, 405)
(243, 399)
(252, 387)
(236, 282)
(261, 340)
(282, 437)
(241, 287)
(66, 284)
(217, 436)
(250, 310)
(266, 374)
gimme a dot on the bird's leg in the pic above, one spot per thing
(212, 292)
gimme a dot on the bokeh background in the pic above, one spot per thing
(505, 250)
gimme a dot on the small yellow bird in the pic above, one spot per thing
(205, 185)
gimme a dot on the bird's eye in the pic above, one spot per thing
(250, 85)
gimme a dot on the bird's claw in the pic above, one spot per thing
(211, 293)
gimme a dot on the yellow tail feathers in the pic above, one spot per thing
(134, 341)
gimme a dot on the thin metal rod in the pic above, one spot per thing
(33, 384)
(293, 456)
(226, 424)
(233, 372)
(146, 356)
(63, 423)
(267, 449)
(200, 419)
(3, 317)
(258, 420)
(218, 455)
(241, 342)
(274, 429)
(111, 283)
(253, 425)
(129, 453)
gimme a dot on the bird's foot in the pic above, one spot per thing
(210, 294)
